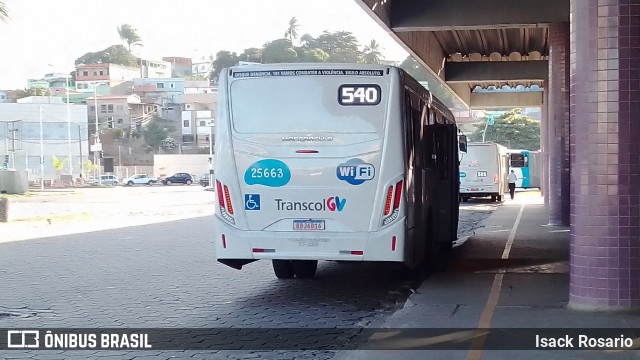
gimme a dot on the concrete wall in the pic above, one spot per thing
(55, 135)
(13, 182)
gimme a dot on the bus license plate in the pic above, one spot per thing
(308, 224)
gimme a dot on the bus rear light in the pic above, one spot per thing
(387, 205)
(219, 191)
(495, 178)
(225, 211)
(351, 252)
(391, 218)
(394, 193)
(396, 198)
(393, 243)
(228, 199)
(224, 242)
(258, 250)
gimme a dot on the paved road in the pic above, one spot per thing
(164, 275)
(90, 209)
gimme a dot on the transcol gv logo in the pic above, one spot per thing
(332, 203)
(355, 171)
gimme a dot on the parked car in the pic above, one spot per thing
(139, 179)
(178, 178)
(106, 180)
(204, 180)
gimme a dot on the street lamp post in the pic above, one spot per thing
(98, 146)
(211, 155)
(66, 90)
(80, 143)
(41, 152)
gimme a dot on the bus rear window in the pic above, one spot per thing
(518, 160)
(299, 104)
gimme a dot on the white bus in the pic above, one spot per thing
(483, 171)
(346, 162)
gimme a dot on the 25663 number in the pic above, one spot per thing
(266, 173)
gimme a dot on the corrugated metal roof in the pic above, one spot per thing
(487, 41)
(496, 45)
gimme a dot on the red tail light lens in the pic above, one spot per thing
(387, 206)
(396, 198)
(228, 198)
(220, 196)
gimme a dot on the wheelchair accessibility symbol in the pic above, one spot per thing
(252, 201)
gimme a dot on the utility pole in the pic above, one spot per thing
(490, 121)
(66, 90)
(41, 153)
(80, 144)
(11, 134)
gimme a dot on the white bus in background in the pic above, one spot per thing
(483, 171)
(348, 162)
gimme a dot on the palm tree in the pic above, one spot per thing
(4, 12)
(129, 35)
(292, 30)
(372, 53)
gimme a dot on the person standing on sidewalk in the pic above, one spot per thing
(512, 183)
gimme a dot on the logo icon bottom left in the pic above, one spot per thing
(23, 339)
(252, 201)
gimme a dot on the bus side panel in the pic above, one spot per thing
(534, 169)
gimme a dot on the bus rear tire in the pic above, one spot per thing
(305, 269)
(493, 198)
(283, 269)
(440, 256)
(499, 198)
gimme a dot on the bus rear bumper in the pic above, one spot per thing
(385, 245)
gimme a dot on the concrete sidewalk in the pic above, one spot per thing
(498, 284)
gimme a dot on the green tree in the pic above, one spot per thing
(292, 30)
(251, 55)
(129, 35)
(341, 46)
(156, 131)
(57, 163)
(115, 54)
(4, 12)
(13, 95)
(279, 51)
(312, 55)
(372, 53)
(169, 144)
(415, 69)
(88, 166)
(307, 41)
(223, 60)
(511, 129)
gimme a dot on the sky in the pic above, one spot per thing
(47, 36)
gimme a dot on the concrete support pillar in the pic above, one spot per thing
(605, 168)
(558, 130)
(544, 143)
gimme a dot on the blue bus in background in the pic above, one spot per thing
(527, 166)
